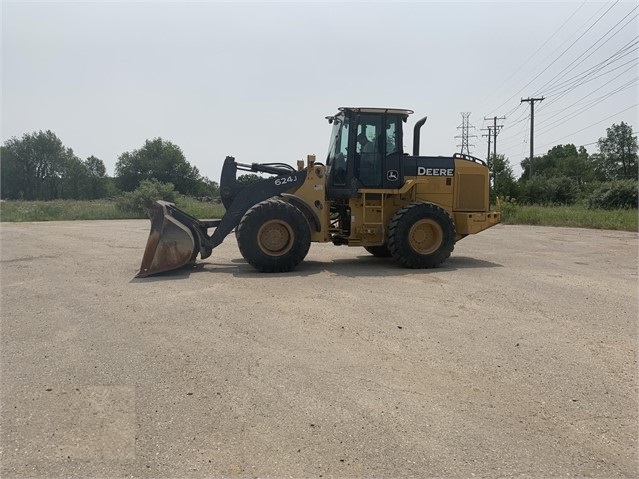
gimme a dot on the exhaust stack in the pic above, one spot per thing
(416, 132)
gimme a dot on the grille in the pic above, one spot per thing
(471, 193)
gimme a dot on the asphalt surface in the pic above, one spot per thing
(516, 359)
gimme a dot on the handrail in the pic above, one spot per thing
(462, 156)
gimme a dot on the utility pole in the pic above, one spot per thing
(496, 130)
(489, 135)
(493, 131)
(465, 126)
(532, 128)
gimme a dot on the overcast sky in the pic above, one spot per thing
(255, 80)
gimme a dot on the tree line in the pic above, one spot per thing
(567, 175)
(38, 166)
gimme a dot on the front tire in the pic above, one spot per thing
(421, 235)
(274, 236)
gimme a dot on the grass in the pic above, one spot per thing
(575, 216)
(65, 210)
(59, 210)
(199, 209)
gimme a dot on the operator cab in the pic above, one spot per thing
(365, 150)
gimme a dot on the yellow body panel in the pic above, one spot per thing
(313, 193)
(471, 187)
(464, 196)
(471, 223)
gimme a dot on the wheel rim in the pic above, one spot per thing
(275, 237)
(425, 236)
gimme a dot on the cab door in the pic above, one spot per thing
(369, 150)
(378, 151)
(392, 172)
(341, 182)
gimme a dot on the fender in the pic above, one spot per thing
(245, 199)
(300, 204)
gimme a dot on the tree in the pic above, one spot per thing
(618, 151)
(248, 179)
(502, 179)
(561, 160)
(157, 159)
(74, 180)
(97, 177)
(207, 187)
(580, 168)
(35, 166)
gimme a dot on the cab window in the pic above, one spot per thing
(391, 136)
(369, 150)
(338, 151)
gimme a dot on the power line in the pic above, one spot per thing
(568, 80)
(517, 138)
(521, 119)
(587, 98)
(561, 88)
(596, 142)
(634, 60)
(557, 96)
(533, 55)
(592, 104)
(597, 100)
(559, 75)
(561, 54)
(582, 77)
(590, 126)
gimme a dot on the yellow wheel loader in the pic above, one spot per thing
(369, 193)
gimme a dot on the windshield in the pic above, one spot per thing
(339, 140)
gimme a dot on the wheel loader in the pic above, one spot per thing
(369, 193)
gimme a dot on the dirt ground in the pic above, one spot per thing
(516, 359)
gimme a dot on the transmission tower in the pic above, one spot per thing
(465, 127)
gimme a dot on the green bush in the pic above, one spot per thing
(149, 190)
(559, 190)
(564, 190)
(615, 195)
(508, 207)
(536, 191)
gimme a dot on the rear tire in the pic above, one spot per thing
(421, 235)
(379, 251)
(274, 236)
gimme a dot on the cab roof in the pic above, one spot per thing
(397, 111)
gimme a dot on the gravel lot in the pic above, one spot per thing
(516, 359)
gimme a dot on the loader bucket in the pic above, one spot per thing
(170, 244)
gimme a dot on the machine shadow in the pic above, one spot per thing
(359, 266)
(199, 267)
(367, 266)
